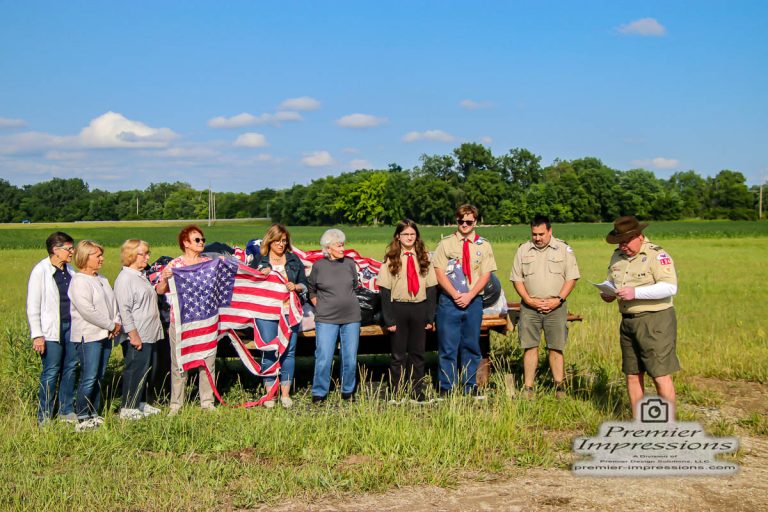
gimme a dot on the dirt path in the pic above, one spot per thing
(554, 489)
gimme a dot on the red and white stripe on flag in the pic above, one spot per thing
(214, 298)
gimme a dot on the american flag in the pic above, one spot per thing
(213, 298)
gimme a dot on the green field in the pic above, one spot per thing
(237, 458)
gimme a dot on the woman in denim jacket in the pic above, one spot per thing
(275, 255)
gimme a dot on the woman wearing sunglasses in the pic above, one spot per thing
(192, 242)
(408, 290)
(275, 255)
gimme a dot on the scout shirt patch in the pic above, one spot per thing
(664, 259)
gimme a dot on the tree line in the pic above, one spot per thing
(508, 189)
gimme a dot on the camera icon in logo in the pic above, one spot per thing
(654, 410)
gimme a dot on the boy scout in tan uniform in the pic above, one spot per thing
(460, 304)
(645, 281)
(544, 272)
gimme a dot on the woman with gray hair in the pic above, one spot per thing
(332, 285)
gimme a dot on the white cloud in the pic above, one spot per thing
(487, 140)
(318, 159)
(359, 164)
(33, 142)
(360, 121)
(251, 140)
(648, 27)
(246, 119)
(659, 163)
(184, 152)
(65, 155)
(238, 121)
(113, 130)
(11, 123)
(438, 135)
(352, 151)
(302, 103)
(475, 105)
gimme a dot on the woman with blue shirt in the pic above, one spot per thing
(275, 255)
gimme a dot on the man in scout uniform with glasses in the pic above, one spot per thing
(644, 277)
(463, 264)
(544, 272)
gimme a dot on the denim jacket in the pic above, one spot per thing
(294, 268)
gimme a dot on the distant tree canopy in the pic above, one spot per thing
(508, 189)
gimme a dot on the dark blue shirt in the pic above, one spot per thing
(62, 278)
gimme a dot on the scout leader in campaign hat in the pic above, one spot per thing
(624, 228)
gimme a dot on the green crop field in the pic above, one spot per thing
(237, 458)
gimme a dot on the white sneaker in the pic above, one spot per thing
(286, 402)
(148, 410)
(68, 418)
(269, 404)
(85, 425)
(98, 420)
(131, 414)
(174, 410)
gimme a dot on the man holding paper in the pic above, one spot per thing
(644, 277)
(544, 272)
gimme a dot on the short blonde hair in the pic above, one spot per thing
(83, 250)
(330, 237)
(130, 251)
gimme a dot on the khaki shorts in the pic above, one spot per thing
(648, 343)
(554, 325)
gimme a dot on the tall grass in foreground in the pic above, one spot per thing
(236, 458)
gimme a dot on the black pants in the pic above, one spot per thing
(136, 373)
(408, 343)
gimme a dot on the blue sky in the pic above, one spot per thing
(258, 94)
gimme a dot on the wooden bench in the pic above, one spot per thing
(374, 340)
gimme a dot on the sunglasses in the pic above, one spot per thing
(281, 242)
(198, 240)
(466, 222)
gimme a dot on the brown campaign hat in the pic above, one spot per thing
(625, 228)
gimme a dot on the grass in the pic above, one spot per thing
(238, 458)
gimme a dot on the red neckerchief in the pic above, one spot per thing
(466, 258)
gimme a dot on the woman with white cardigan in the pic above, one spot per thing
(95, 323)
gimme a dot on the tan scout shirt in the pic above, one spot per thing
(398, 284)
(480, 251)
(649, 266)
(543, 271)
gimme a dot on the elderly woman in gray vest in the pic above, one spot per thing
(137, 302)
(332, 285)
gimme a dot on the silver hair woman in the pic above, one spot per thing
(332, 285)
(332, 237)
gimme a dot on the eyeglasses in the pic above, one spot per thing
(67, 248)
(281, 242)
(144, 253)
(198, 240)
(407, 234)
(465, 222)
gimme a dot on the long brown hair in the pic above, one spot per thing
(392, 256)
(273, 234)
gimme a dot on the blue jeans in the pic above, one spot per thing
(458, 338)
(325, 340)
(59, 358)
(93, 358)
(268, 331)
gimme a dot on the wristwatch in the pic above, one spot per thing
(561, 299)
